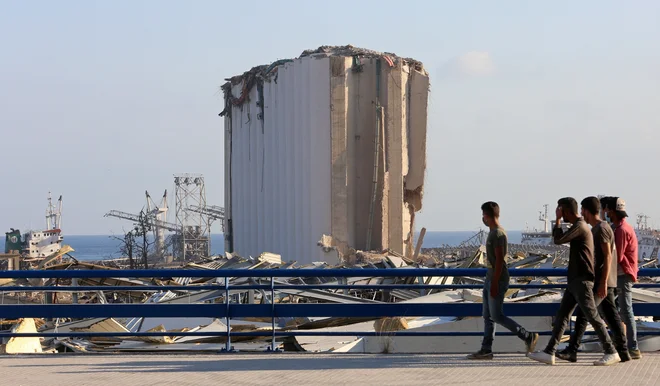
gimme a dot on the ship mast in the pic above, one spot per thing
(53, 214)
(543, 216)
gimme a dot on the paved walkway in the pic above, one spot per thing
(316, 369)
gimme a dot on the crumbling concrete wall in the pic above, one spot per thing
(303, 138)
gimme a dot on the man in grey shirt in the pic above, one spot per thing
(496, 285)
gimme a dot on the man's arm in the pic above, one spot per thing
(561, 237)
(607, 258)
(499, 265)
(619, 236)
(605, 240)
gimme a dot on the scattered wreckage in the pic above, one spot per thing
(385, 339)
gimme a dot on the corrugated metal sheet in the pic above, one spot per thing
(105, 325)
(280, 164)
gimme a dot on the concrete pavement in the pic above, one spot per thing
(316, 369)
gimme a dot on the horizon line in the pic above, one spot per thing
(220, 234)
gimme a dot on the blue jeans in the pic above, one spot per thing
(493, 313)
(624, 292)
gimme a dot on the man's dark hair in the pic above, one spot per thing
(608, 202)
(569, 204)
(591, 204)
(491, 208)
(621, 214)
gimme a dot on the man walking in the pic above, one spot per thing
(604, 284)
(580, 284)
(496, 285)
(627, 267)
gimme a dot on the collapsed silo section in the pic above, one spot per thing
(325, 154)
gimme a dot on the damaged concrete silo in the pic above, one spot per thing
(325, 150)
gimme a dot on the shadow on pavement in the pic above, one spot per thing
(280, 362)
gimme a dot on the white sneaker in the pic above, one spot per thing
(543, 357)
(608, 359)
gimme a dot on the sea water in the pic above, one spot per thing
(107, 247)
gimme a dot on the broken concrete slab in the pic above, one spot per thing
(23, 345)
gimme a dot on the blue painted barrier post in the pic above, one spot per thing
(228, 347)
(272, 313)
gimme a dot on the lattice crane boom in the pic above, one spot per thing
(214, 212)
(150, 220)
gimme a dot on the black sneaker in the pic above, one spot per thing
(635, 354)
(530, 341)
(624, 355)
(481, 354)
(567, 355)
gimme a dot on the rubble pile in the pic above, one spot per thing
(387, 328)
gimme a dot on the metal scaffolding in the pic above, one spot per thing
(196, 226)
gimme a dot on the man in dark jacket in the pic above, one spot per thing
(604, 284)
(580, 291)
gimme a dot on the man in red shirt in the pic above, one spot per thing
(627, 267)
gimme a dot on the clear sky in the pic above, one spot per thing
(530, 100)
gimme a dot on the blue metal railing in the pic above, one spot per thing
(228, 310)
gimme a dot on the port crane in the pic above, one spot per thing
(155, 216)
